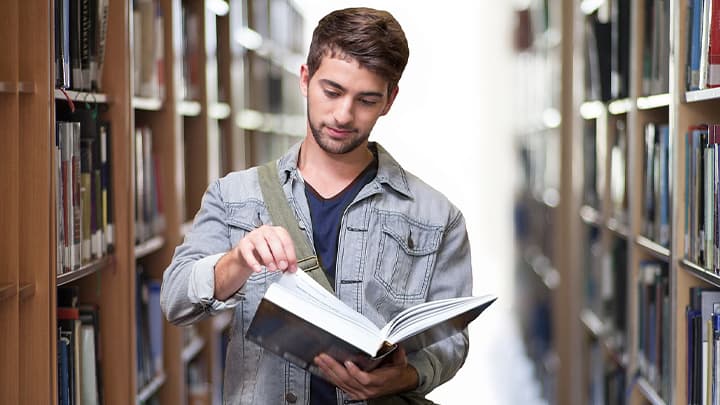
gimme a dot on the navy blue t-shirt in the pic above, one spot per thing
(326, 214)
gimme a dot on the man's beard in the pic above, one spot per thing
(334, 146)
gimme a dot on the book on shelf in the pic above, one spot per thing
(298, 319)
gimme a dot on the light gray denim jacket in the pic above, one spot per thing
(401, 243)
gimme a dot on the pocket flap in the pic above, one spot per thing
(414, 238)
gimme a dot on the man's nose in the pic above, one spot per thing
(344, 112)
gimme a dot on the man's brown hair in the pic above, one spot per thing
(371, 37)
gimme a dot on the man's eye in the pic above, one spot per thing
(368, 102)
(331, 94)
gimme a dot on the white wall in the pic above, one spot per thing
(450, 125)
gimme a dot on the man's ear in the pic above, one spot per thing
(391, 100)
(304, 79)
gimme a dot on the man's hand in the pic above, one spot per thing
(269, 246)
(397, 376)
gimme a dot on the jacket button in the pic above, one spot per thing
(290, 397)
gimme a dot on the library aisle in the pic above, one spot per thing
(497, 370)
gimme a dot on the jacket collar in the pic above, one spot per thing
(389, 170)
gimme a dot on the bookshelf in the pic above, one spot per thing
(194, 140)
(627, 115)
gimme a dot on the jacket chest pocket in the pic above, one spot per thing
(407, 252)
(243, 218)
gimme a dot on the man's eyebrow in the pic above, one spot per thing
(335, 85)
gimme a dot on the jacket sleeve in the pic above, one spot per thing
(452, 277)
(187, 290)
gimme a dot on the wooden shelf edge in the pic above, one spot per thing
(621, 106)
(27, 290)
(7, 291)
(656, 249)
(189, 108)
(649, 392)
(592, 322)
(193, 349)
(151, 388)
(700, 272)
(702, 95)
(654, 101)
(618, 228)
(219, 111)
(149, 246)
(590, 215)
(83, 271)
(542, 266)
(96, 98)
(147, 103)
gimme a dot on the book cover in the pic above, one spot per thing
(297, 319)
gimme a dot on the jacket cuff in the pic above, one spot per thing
(422, 364)
(201, 288)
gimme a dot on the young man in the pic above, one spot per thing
(386, 239)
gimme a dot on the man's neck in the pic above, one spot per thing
(329, 173)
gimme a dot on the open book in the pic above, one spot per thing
(298, 319)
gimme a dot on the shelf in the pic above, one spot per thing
(592, 323)
(542, 266)
(597, 329)
(654, 101)
(149, 246)
(17, 88)
(7, 291)
(283, 124)
(27, 290)
(147, 104)
(151, 388)
(649, 392)
(700, 272)
(590, 215)
(621, 106)
(618, 228)
(83, 271)
(189, 108)
(219, 111)
(702, 95)
(589, 6)
(657, 250)
(221, 321)
(82, 96)
(591, 110)
(193, 349)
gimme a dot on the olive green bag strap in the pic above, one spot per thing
(282, 215)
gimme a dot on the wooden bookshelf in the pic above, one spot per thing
(195, 141)
(662, 99)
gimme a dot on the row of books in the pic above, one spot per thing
(80, 35)
(148, 52)
(607, 54)
(191, 69)
(149, 328)
(702, 202)
(654, 312)
(703, 350)
(703, 49)
(78, 351)
(594, 176)
(149, 211)
(85, 228)
(606, 379)
(656, 183)
(656, 47)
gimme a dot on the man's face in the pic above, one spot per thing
(344, 101)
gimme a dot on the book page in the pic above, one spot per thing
(422, 317)
(300, 294)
